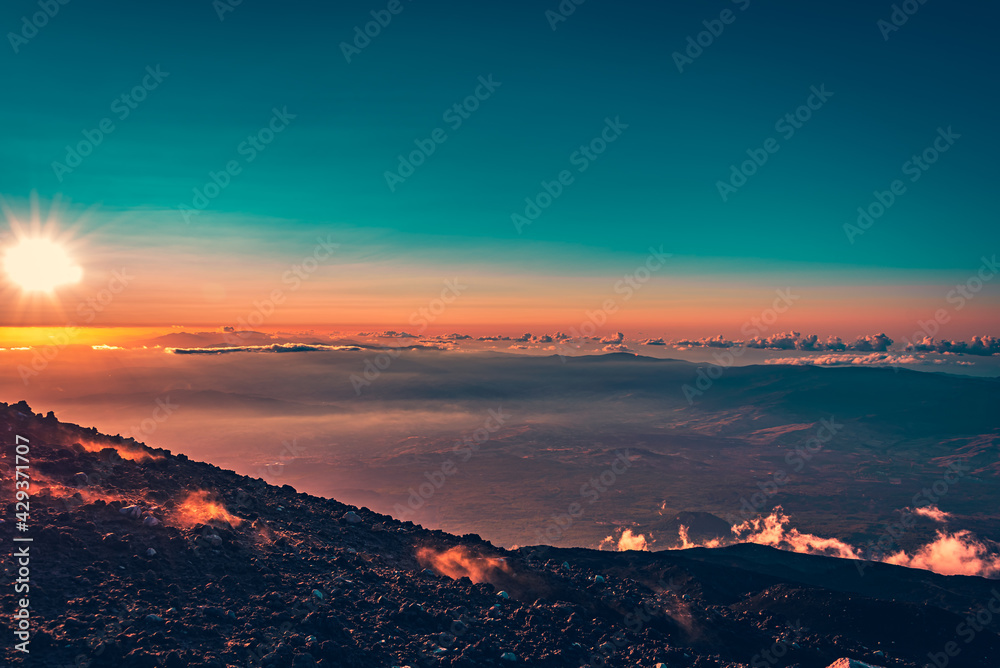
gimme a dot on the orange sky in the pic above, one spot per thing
(127, 286)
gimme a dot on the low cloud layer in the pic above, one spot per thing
(873, 359)
(979, 345)
(869, 350)
(958, 553)
(932, 513)
(774, 531)
(626, 541)
(711, 342)
(391, 334)
(795, 341)
(271, 348)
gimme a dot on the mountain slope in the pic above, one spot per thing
(142, 558)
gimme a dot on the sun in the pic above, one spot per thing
(39, 264)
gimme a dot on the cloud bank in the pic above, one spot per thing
(958, 553)
(873, 359)
(626, 541)
(979, 345)
(932, 513)
(271, 348)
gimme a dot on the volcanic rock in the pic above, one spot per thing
(272, 577)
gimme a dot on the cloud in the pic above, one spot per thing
(959, 553)
(431, 344)
(617, 338)
(932, 512)
(773, 531)
(684, 536)
(834, 343)
(272, 348)
(795, 341)
(524, 338)
(873, 359)
(712, 342)
(389, 334)
(654, 342)
(616, 348)
(627, 541)
(952, 554)
(872, 343)
(782, 341)
(979, 345)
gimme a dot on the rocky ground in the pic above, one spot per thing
(142, 558)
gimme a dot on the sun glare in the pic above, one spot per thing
(40, 264)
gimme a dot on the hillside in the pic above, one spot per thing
(142, 558)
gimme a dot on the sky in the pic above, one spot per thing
(241, 153)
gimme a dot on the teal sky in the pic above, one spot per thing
(656, 184)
